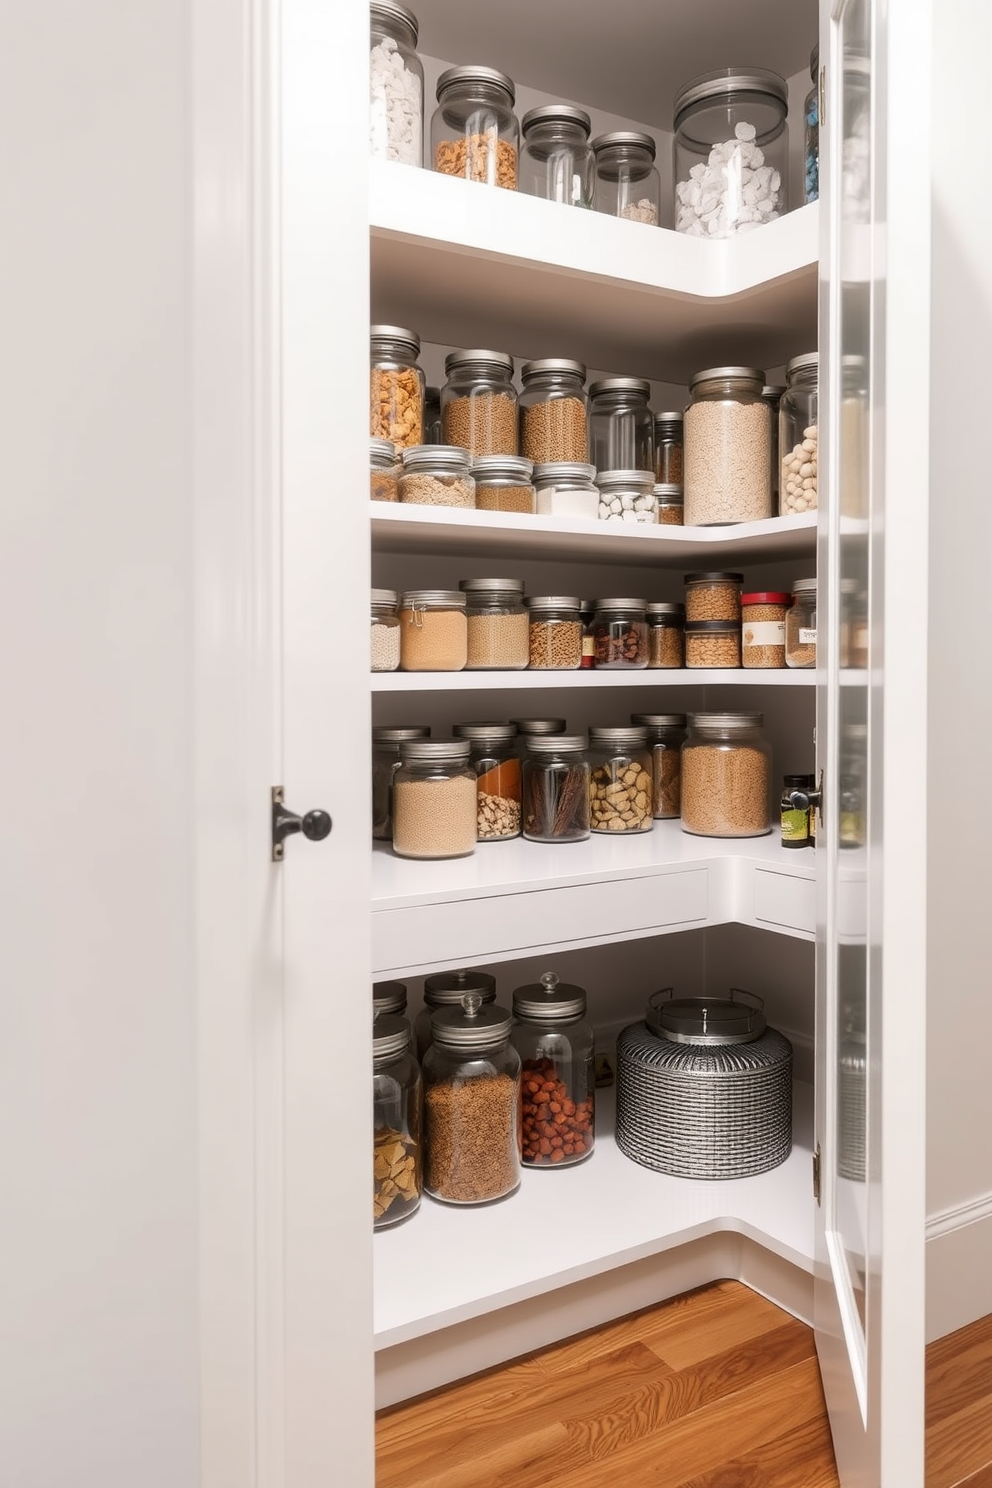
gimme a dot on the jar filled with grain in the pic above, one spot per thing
(666, 635)
(726, 776)
(433, 631)
(504, 483)
(397, 1166)
(671, 506)
(627, 496)
(620, 634)
(437, 475)
(474, 130)
(556, 159)
(384, 470)
(445, 989)
(385, 631)
(396, 84)
(557, 1051)
(621, 791)
(621, 425)
(798, 435)
(496, 763)
(666, 734)
(556, 788)
(389, 997)
(800, 625)
(713, 595)
(497, 624)
(432, 415)
(555, 633)
(728, 432)
(434, 800)
(669, 469)
(386, 743)
(712, 643)
(566, 488)
(479, 403)
(396, 386)
(554, 424)
(763, 615)
(627, 181)
(535, 728)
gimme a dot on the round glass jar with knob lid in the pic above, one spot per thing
(798, 435)
(558, 1079)
(731, 146)
(621, 425)
(445, 989)
(397, 1168)
(479, 403)
(627, 496)
(728, 451)
(474, 130)
(396, 386)
(621, 792)
(666, 734)
(434, 800)
(396, 84)
(554, 411)
(386, 741)
(627, 181)
(726, 776)
(556, 159)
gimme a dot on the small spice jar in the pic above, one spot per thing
(558, 1080)
(763, 615)
(800, 625)
(556, 159)
(587, 613)
(771, 394)
(627, 181)
(671, 505)
(434, 800)
(726, 776)
(627, 496)
(666, 635)
(811, 132)
(433, 631)
(798, 435)
(566, 488)
(396, 84)
(384, 470)
(437, 475)
(731, 147)
(504, 483)
(474, 131)
(554, 419)
(668, 465)
(728, 453)
(389, 997)
(386, 743)
(713, 595)
(712, 643)
(535, 728)
(479, 403)
(620, 634)
(497, 624)
(795, 810)
(556, 788)
(396, 1122)
(496, 763)
(445, 989)
(621, 425)
(666, 734)
(555, 634)
(396, 386)
(621, 789)
(471, 1076)
(385, 631)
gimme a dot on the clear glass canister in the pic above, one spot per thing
(798, 435)
(731, 146)
(385, 631)
(385, 762)
(811, 123)
(627, 181)
(666, 635)
(396, 84)
(556, 159)
(471, 1104)
(627, 496)
(474, 131)
(446, 989)
(397, 1166)
(479, 403)
(772, 395)
(620, 634)
(554, 420)
(437, 475)
(712, 643)
(434, 800)
(800, 625)
(432, 415)
(728, 454)
(396, 386)
(497, 765)
(763, 615)
(555, 633)
(621, 425)
(535, 728)
(497, 624)
(384, 470)
(668, 464)
(621, 788)
(389, 997)
(504, 483)
(556, 788)
(671, 506)
(713, 594)
(558, 1072)
(726, 776)
(566, 488)
(433, 631)
(666, 735)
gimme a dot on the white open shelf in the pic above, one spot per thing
(527, 681)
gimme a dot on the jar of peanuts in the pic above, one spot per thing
(446, 989)
(666, 735)
(557, 1054)
(621, 791)
(474, 131)
(496, 763)
(554, 423)
(396, 386)
(396, 1139)
(620, 633)
(479, 403)
(726, 776)
(763, 628)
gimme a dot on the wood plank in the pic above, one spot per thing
(980, 1479)
(958, 1381)
(803, 1458)
(974, 1335)
(959, 1444)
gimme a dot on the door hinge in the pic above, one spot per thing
(816, 1173)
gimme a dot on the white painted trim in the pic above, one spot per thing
(959, 1276)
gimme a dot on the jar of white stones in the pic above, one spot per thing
(627, 496)
(797, 436)
(396, 84)
(731, 152)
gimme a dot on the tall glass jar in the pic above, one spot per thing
(627, 180)
(554, 419)
(798, 435)
(396, 84)
(504, 483)
(389, 997)
(800, 625)
(385, 631)
(471, 1104)
(445, 989)
(556, 160)
(771, 394)
(557, 1053)
(620, 632)
(621, 794)
(566, 488)
(556, 788)
(397, 1167)
(396, 386)
(384, 471)
(433, 631)
(811, 131)
(437, 475)
(535, 728)
(621, 425)
(496, 763)
(670, 501)
(555, 633)
(434, 800)
(728, 453)
(666, 734)
(666, 635)
(668, 464)
(726, 776)
(474, 131)
(497, 625)
(627, 496)
(479, 403)
(731, 145)
(385, 762)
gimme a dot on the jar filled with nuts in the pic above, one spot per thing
(535, 728)
(433, 631)
(504, 483)
(555, 633)
(798, 431)
(384, 470)
(800, 625)
(554, 424)
(385, 631)
(389, 997)
(621, 790)
(558, 1084)
(666, 635)
(396, 386)
(712, 643)
(396, 1120)
(556, 788)
(728, 451)
(497, 624)
(620, 634)
(497, 765)
(386, 743)
(669, 469)
(671, 506)
(446, 989)
(627, 496)
(627, 181)
(621, 425)
(437, 475)
(474, 131)
(763, 615)
(479, 403)
(434, 800)
(726, 776)
(666, 735)
(713, 596)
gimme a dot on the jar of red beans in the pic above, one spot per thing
(557, 1053)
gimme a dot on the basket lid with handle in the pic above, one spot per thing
(709, 1021)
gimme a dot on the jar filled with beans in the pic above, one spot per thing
(763, 615)
(496, 763)
(621, 791)
(671, 506)
(504, 483)
(433, 631)
(479, 403)
(713, 596)
(474, 130)
(397, 1169)
(728, 430)
(557, 1053)
(800, 625)
(666, 635)
(669, 469)
(554, 422)
(555, 643)
(437, 475)
(666, 735)
(445, 989)
(726, 776)
(712, 643)
(556, 788)
(396, 386)
(384, 470)
(434, 800)
(497, 624)
(386, 743)
(620, 634)
(385, 631)
(798, 435)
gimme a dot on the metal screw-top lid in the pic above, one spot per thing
(386, 734)
(624, 139)
(390, 1035)
(382, 449)
(410, 339)
(492, 586)
(669, 495)
(473, 74)
(713, 578)
(500, 359)
(556, 113)
(449, 458)
(461, 730)
(474, 1024)
(660, 609)
(804, 586)
(553, 602)
(433, 599)
(726, 81)
(711, 627)
(485, 733)
(622, 604)
(549, 999)
(669, 423)
(488, 467)
(772, 392)
(384, 597)
(637, 385)
(563, 470)
(551, 743)
(659, 720)
(393, 10)
(530, 726)
(622, 736)
(551, 364)
(725, 720)
(808, 362)
(444, 988)
(435, 749)
(642, 479)
(389, 997)
(729, 374)
(711, 1021)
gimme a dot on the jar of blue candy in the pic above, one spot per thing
(811, 116)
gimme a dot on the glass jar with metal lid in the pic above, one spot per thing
(433, 631)
(621, 425)
(798, 435)
(555, 633)
(384, 470)
(385, 631)
(666, 635)
(671, 506)
(479, 402)
(556, 788)
(627, 181)
(556, 159)
(811, 132)
(731, 149)
(726, 776)
(621, 793)
(772, 395)
(471, 1104)
(728, 452)
(386, 743)
(627, 496)
(566, 488)
(558, 1081)
(534, 728)
(396, 386)
(446, 989)
(800, 625)
(668, 464)
(434, 800)
(504, 483)
(496, 763)
(713, 595)
(396, 84)
(712, 643)
(474, 131)
(763, 613)
(389, 997)
(437, 475)
(397, 1166)
(620, 634)
(666, 734)
(554, 421)
(497, 624)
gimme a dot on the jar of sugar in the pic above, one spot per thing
(731, 152)
(396, 84)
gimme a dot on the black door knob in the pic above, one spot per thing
(315, 825)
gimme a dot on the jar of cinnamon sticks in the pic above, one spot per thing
(556, 788)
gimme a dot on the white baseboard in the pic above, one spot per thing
(959, 1266)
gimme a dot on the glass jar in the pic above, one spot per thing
(389, 997)
(852, 823)
(556, 788)
(445, 989)
(566, 488)
(763, 615)
(798, 435)
(587, 614)
(731, 149)
(800, 625)
(554, 420)
(555, 635)
(621, 790)
(434, 800)
(627, 496)
(474, 131)
(384, 470)
(771, 394)
(535, 728)
(620, 633)
(556, 159)
(811, 122)
(433, 631)
(666, 635)
(666, 735)
(726, 776)
(396, 386)
(479, 403)
(385, 631)
(397, 1169)
(794, 810)
(497, 624)
(671, 509)
(627, 181)
(621, 425)
(432, 415)
(385, 762)
(437, 475)
(496, 763)
(504, 483)
(713, 595)
(558, 1072)
(669, 469)
(396, 84)
(728, 452)
(712, 643)
(471, 1104)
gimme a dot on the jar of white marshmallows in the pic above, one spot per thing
(396, 84)
(731, 152)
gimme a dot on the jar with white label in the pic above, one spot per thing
(798, 439)
(627, 496)
(627, 181)
(566, 488)
(497, 624)
(763, 615)
(800, 625)
(385, 631)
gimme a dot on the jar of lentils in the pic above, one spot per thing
(665, 734)
(504, 483)
(668, 466)
(712, 643)
(620, 634)
(566, 488)
(396, 1137)
(556, 788)
(763, 615)
(726, 776)
(396, 386)
(621, 425)
(671, 507)
(557, 1053)
(556, 160)
(385, 631)
(445, 989)
(554, 422)
(666, 635)
(497, 765)
(728, 431)
(627, 181)
(384, 470)
(479, 403)
(474, 131)
(434, 800)
(396, 84)
(798, 435)
(555, 634)
(713, 595)
(433, 631)
(437, 475)
(627, 496)
(497, 624)
(621, 791)
(386, 743)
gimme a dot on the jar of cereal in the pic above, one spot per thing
(396, 386)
